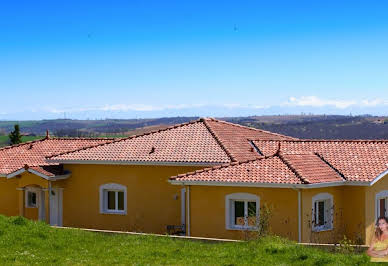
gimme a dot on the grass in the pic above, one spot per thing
(26, 242)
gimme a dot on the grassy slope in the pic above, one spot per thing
(26, 242)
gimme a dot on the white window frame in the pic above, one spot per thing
(229, 210)
(381, 195)
(104, 198)
(27, 203)
(328, 212)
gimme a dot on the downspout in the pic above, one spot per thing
(299, 214)
(48, 202)
(188, 210)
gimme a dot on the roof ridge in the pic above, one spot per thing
(82, 138)
(225, 165)
(330, 165)
(304, 180)
(127, 138)
(218, 141)
(329, 140)
(251, 128)
(22, 144)
(51, 138)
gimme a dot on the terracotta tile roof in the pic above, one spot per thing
(264, 170)
(189, 142)
(355, 160)
(311, 168)
(200, 141)
(34, 153)
(235, 138)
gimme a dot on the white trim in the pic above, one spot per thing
(380, 195)
(379, 177)
(326, 197)
(18, 172)
(229, 209)
(103, 198)
(164, 163)
(32, 171)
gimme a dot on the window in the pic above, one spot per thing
(322, 212)
(242, 211)
(113, 199)
(381, 203)
(31, 199)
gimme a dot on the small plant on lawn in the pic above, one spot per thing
(346, 246)
(264, 220)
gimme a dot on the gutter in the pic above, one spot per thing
(158, 163)
(270, 185)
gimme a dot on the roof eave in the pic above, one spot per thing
(32, 171)
(160, 163)
(269, 185)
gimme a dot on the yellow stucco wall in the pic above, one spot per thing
(9, 198)
(354, 213)
(329, 236)
(370, 202)
(207, 211)
(152, 202)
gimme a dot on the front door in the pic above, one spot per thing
(56, 207)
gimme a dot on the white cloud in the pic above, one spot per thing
(314, 101)
(374, 102)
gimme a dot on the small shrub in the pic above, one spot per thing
(19, 220)
(345, 246)
(264, 220)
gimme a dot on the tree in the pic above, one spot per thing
(14, 136)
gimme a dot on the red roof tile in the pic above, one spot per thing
(356, 160)
(33, 153)
(235, 138)
(311, 168)
(201, 141)
(263, 170)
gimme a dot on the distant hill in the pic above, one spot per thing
(300, 126)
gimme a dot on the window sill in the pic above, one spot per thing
(242, 228)
(115, 212)
(317, 230)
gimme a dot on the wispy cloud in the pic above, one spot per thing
(314, 101)
(317, 102)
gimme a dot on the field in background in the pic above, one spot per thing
(300, 126)
(4, 140)
(26, 242)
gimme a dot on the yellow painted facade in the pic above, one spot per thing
(207, 210)
(153, 203)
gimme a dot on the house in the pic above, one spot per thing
(210, 177)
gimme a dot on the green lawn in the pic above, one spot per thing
(26, 242)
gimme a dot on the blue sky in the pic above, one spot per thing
(126, 59)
